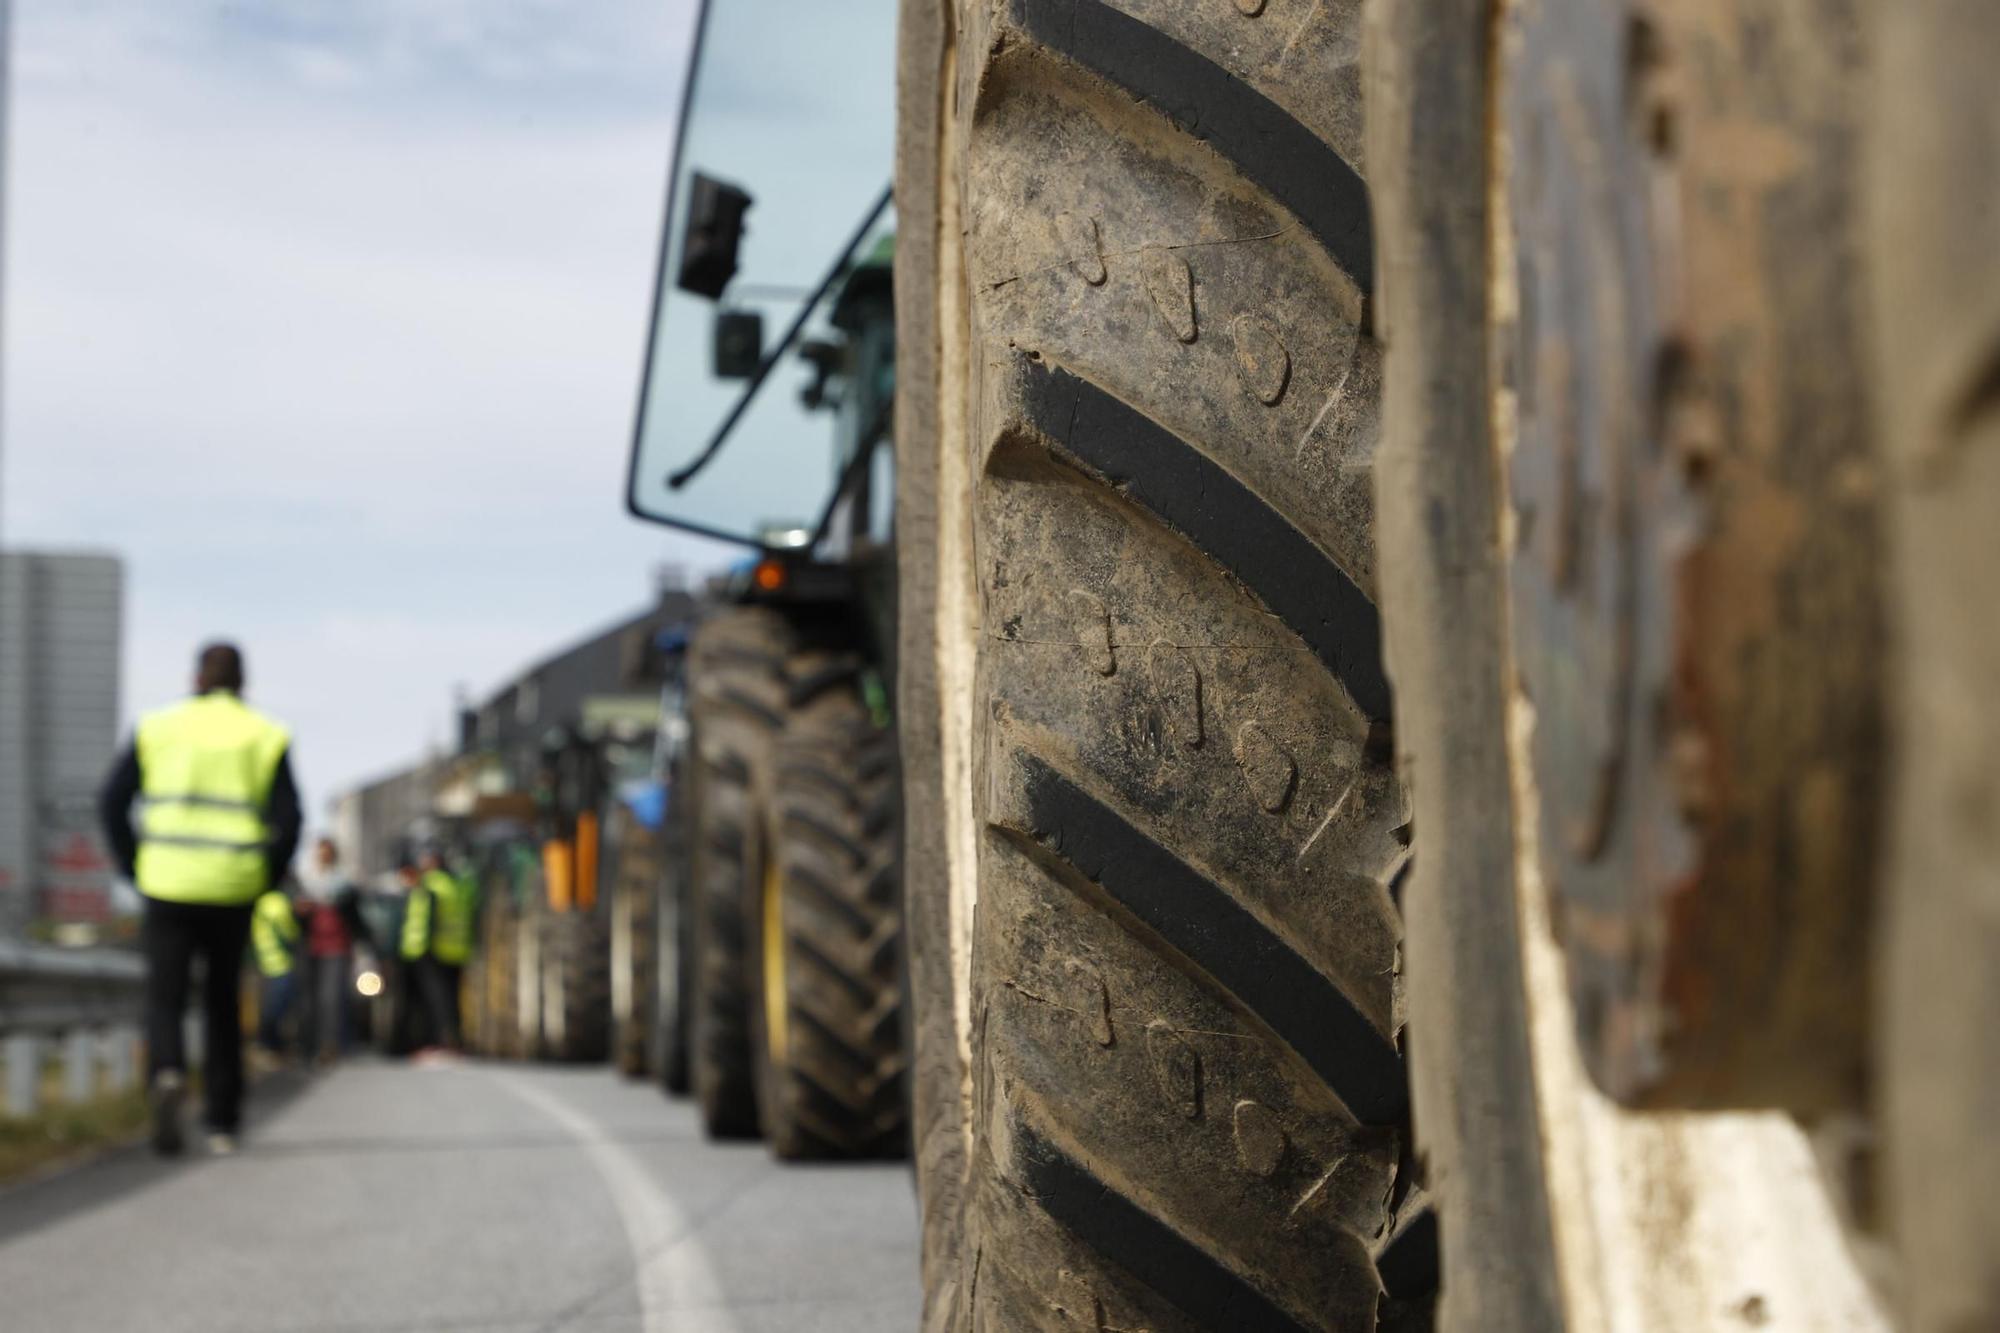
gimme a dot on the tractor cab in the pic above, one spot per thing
(772, 304)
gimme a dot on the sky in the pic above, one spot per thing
(327, 316)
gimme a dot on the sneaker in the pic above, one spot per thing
(221, 1143)
(169, 1089)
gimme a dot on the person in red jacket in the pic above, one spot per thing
(331, 907)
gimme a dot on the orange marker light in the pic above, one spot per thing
(769, 576)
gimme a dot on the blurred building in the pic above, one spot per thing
(603, 688)
(61, 622)
(604, 684)
(374, 823)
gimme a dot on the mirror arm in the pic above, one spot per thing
(714, 446)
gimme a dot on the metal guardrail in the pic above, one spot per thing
(83, 1004)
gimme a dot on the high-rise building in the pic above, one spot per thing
(61, 620)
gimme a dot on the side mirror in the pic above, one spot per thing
(714, 231)
(736, 344)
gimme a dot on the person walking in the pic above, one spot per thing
(274, 943)
(219, 826)
(437, 939)
(331, 905)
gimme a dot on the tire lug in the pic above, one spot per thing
(1261, 358)
(1267, 767)
(1080, 241)
(1260, 1138)
(1171, 285)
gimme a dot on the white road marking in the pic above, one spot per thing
(655, 1226)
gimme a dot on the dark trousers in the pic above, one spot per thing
(438, 984)
(329, 1026)
(174, 935)
(280, 994)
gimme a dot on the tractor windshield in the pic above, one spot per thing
(777, 197)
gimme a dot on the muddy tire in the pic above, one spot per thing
(736, 709)
(1177, 1000)
(1472, 1066)
(670, 1039)
(493, 1023)
(1935, 189)
(634, 899)
(1610, 684)
(529, 938)
(827, 1015)
(576, 985)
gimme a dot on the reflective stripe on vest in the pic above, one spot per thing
(274, 934)
(206, 766)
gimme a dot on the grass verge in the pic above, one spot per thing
(60, 1134)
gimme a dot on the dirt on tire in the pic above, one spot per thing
(1185, 1100)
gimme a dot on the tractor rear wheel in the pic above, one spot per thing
(673, 961)
(1935, 191)
(1631, 628)
(827, 991)
(736, 707)
(673, 974)
(528, 941)
(634, 899)
(576, 984)
(494, 1025)
(1152, 861)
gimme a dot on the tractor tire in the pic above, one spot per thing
(576, 985)
(529, 938)
(1581, 290)
(827, 1013)
(673, 950)
(634, 899)
(1934, 194)
(496, 1025)
(1160, 1002)
(736, 707)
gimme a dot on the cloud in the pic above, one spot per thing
(568, 59)
(329, 317)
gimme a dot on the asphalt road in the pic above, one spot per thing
(476, 1196)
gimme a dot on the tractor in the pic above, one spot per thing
(1414, 564)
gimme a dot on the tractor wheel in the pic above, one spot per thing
(736, 708)
(576, 985)
(526, 1039)
(673, 972)
(1935, 192)
(1152, 806)
(827, 990)
(634, 891)
(1631, 626)
(496, 1022)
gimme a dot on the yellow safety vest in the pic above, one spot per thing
(274, 930)
(438, 919)
(205, 767)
